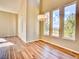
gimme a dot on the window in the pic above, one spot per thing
(69, 21)
(55, 23)
(47, 23)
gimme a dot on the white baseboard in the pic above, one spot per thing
(32, 41)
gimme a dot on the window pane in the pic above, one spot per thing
(47, 24)
(70, 21)
(56, 19)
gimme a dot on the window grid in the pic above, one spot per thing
(60, 13)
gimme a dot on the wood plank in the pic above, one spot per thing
(33, 50)
(76, 55)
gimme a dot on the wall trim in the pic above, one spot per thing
(32, 41)
(9, 11)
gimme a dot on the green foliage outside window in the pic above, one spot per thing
(69, 26)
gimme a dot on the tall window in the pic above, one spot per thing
(69, 21)
(46, 23)
(56, 18)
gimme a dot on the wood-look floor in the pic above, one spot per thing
(34, 50)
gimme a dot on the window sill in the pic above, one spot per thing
(54, 37)
(57, 37)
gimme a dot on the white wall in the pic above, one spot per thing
(32, 22)
(22, 17)
(28, 15)
(7, 24)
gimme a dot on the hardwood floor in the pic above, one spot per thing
(34, 50)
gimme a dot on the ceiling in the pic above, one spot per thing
(48, 5)
(10, 5)
(14, 5)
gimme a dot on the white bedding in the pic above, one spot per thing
(2, 40)
(6, 44)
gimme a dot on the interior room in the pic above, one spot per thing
(39, 29)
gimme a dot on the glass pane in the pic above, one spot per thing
(47, 24)
(56, 18)
(70, 21)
